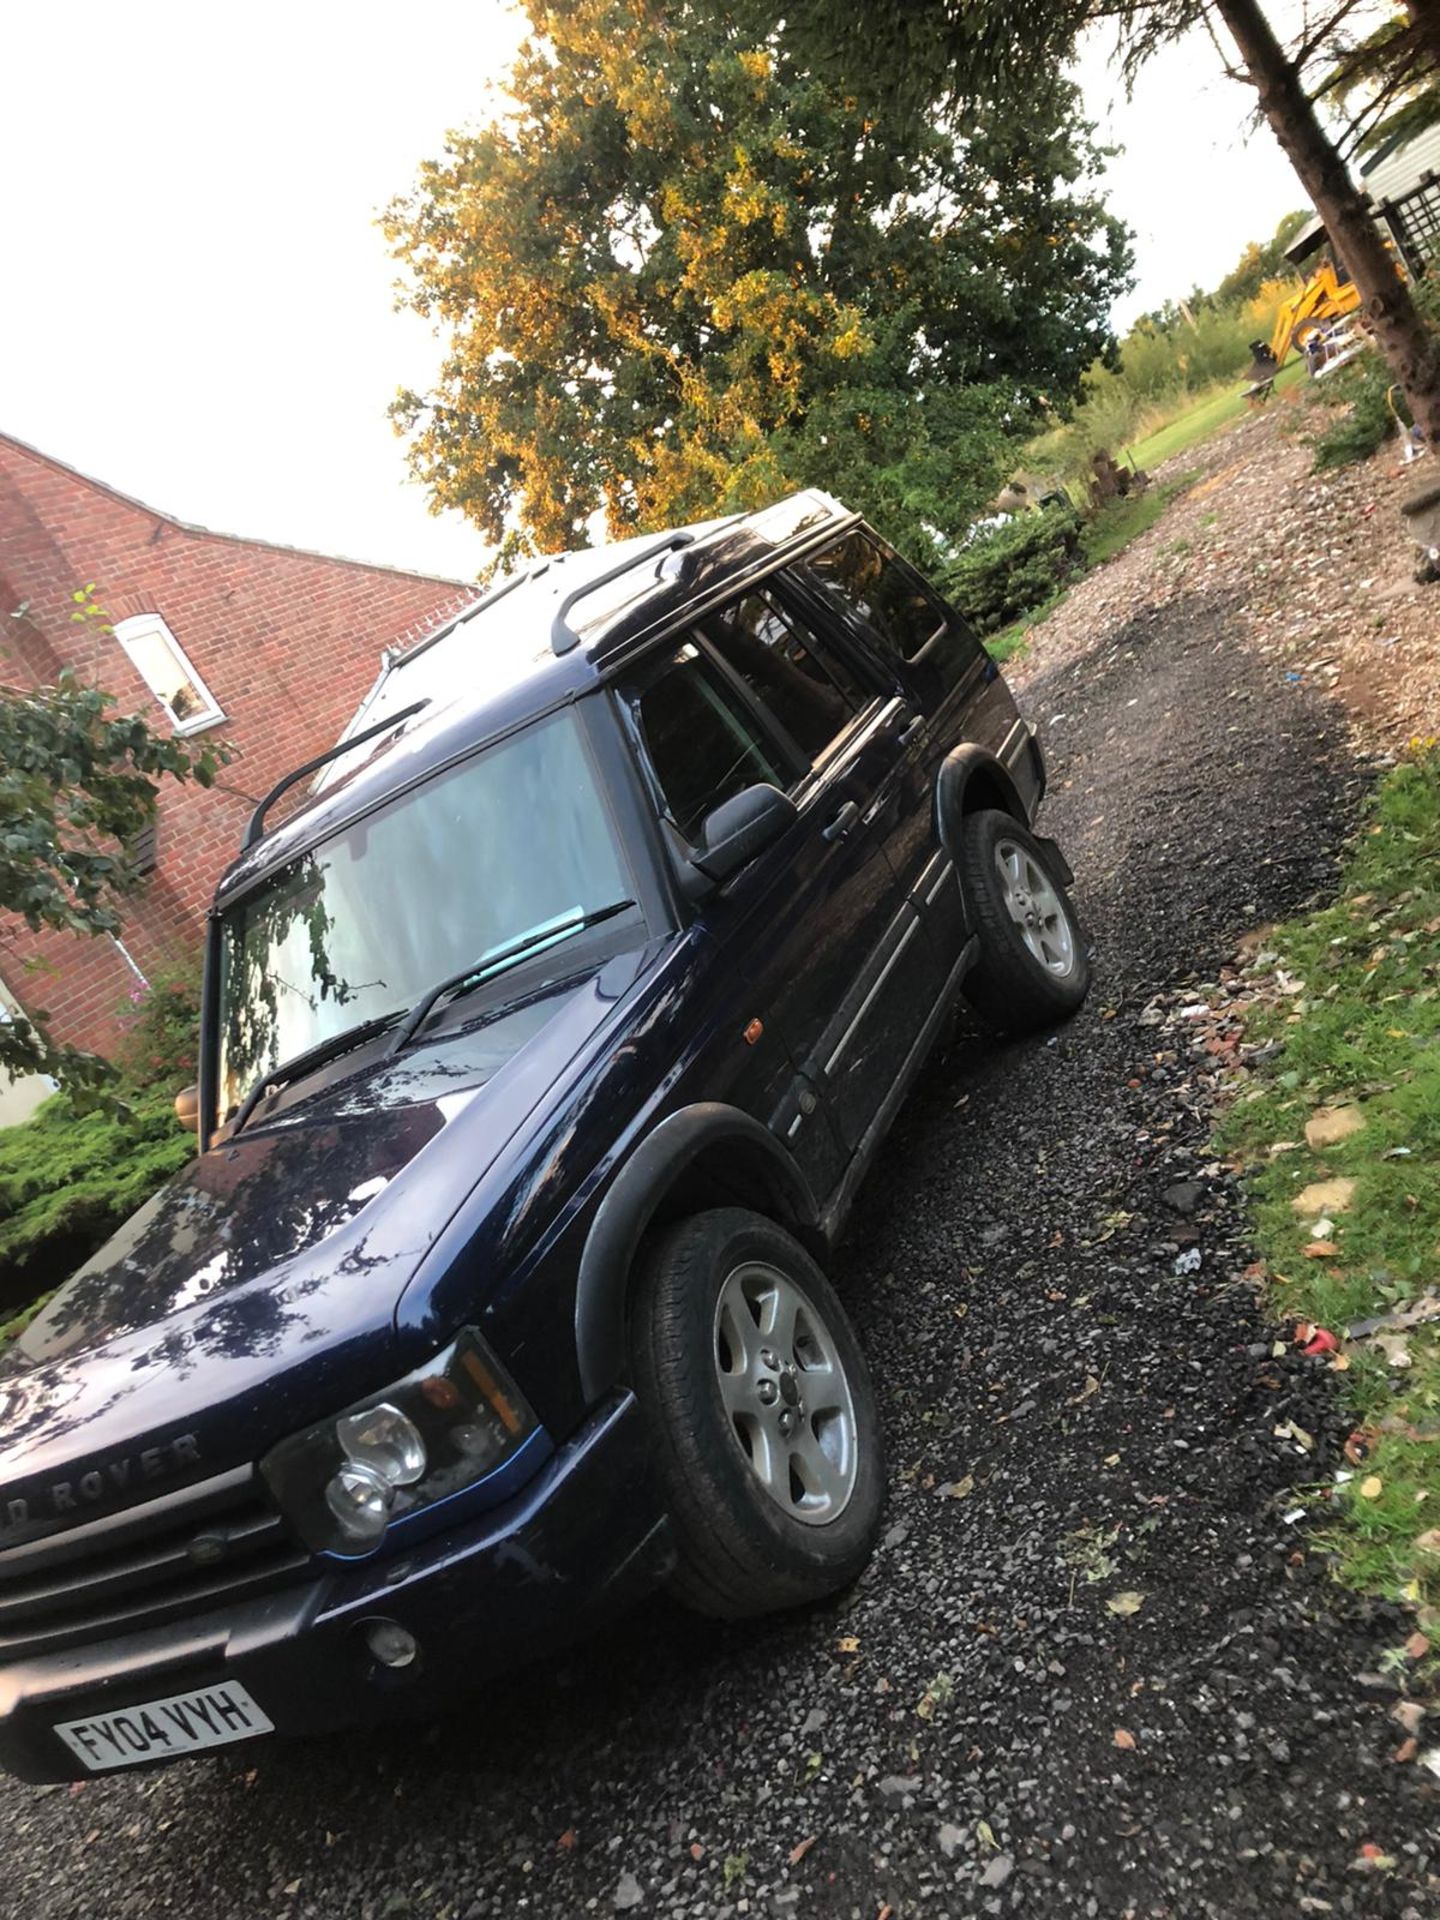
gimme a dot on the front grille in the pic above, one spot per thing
(204, 1546)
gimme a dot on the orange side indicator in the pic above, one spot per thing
(490, 1388)
(753, 1032)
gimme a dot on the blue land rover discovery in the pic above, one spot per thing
(545, 1046)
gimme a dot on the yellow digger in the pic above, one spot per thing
(1324, 299)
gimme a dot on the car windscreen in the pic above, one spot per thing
(500, 847)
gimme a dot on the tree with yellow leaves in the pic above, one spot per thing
(681, 277)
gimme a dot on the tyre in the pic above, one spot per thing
(1033, 968)
(761, 1413)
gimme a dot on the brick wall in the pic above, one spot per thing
(286, 642)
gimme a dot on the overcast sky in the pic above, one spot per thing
(197, 304)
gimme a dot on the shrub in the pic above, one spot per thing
(1364, 389)
(1366, 422)
(69, 1179)
(161, 1040)
(72, 1174)
(1009, 572)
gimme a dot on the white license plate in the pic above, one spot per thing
(164, 1729)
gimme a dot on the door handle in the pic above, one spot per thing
(842, 822)
(913, 732)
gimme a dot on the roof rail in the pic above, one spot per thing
(562, 635)
(466, 615)
(256, 828)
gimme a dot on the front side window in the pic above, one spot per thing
(514, 841)
(159, 659)
(703, 745)
(901, 612)
(813, 700)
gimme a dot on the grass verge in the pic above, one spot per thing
(1350, 1229)
(1198, 419)
(1108, 533)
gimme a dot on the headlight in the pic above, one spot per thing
(344, 1483)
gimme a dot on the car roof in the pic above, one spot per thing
(542, 637)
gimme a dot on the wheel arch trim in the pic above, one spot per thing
(970, 775)
(694, 1152)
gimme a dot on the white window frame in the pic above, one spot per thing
(151, 626)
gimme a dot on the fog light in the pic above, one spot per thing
(391, 1644)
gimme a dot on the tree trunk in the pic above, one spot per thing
(1402, 334)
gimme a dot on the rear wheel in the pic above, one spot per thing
(762, 1414)
(1033, 968)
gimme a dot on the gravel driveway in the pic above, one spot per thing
(990, 1724)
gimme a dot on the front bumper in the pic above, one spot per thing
(586, 1536)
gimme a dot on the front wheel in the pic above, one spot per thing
(1033, 968)
(762, 1415)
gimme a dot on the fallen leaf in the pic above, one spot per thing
(1370, 1487)
(1322, 1230)
(1123, 1738)
(1125, 1604)
(1407, 1750)
(1324, 1196)
(1340, 1363)
(697, 1852)
(1092, 1385)
(1112, 1460)
(848, 1643)
(1429, 1541)
(1417, 1646)
(1409, 1713)
(959, 1489)
(801, 1848)
(985, 1834)
(1327, 1126)
(568, 1840)
(1427, 1307)
(1320, 1249)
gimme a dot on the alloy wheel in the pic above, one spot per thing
(1036, 908)
(785, 1393)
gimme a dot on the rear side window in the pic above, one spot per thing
(703, 745)
(814, 698)
(905, 615)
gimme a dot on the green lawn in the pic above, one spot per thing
(1216, 409)
(1350, 1230)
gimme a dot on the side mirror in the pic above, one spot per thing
(187, 1108)
(741, 827)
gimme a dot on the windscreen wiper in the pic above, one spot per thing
(274, 1078)
(491, 964)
